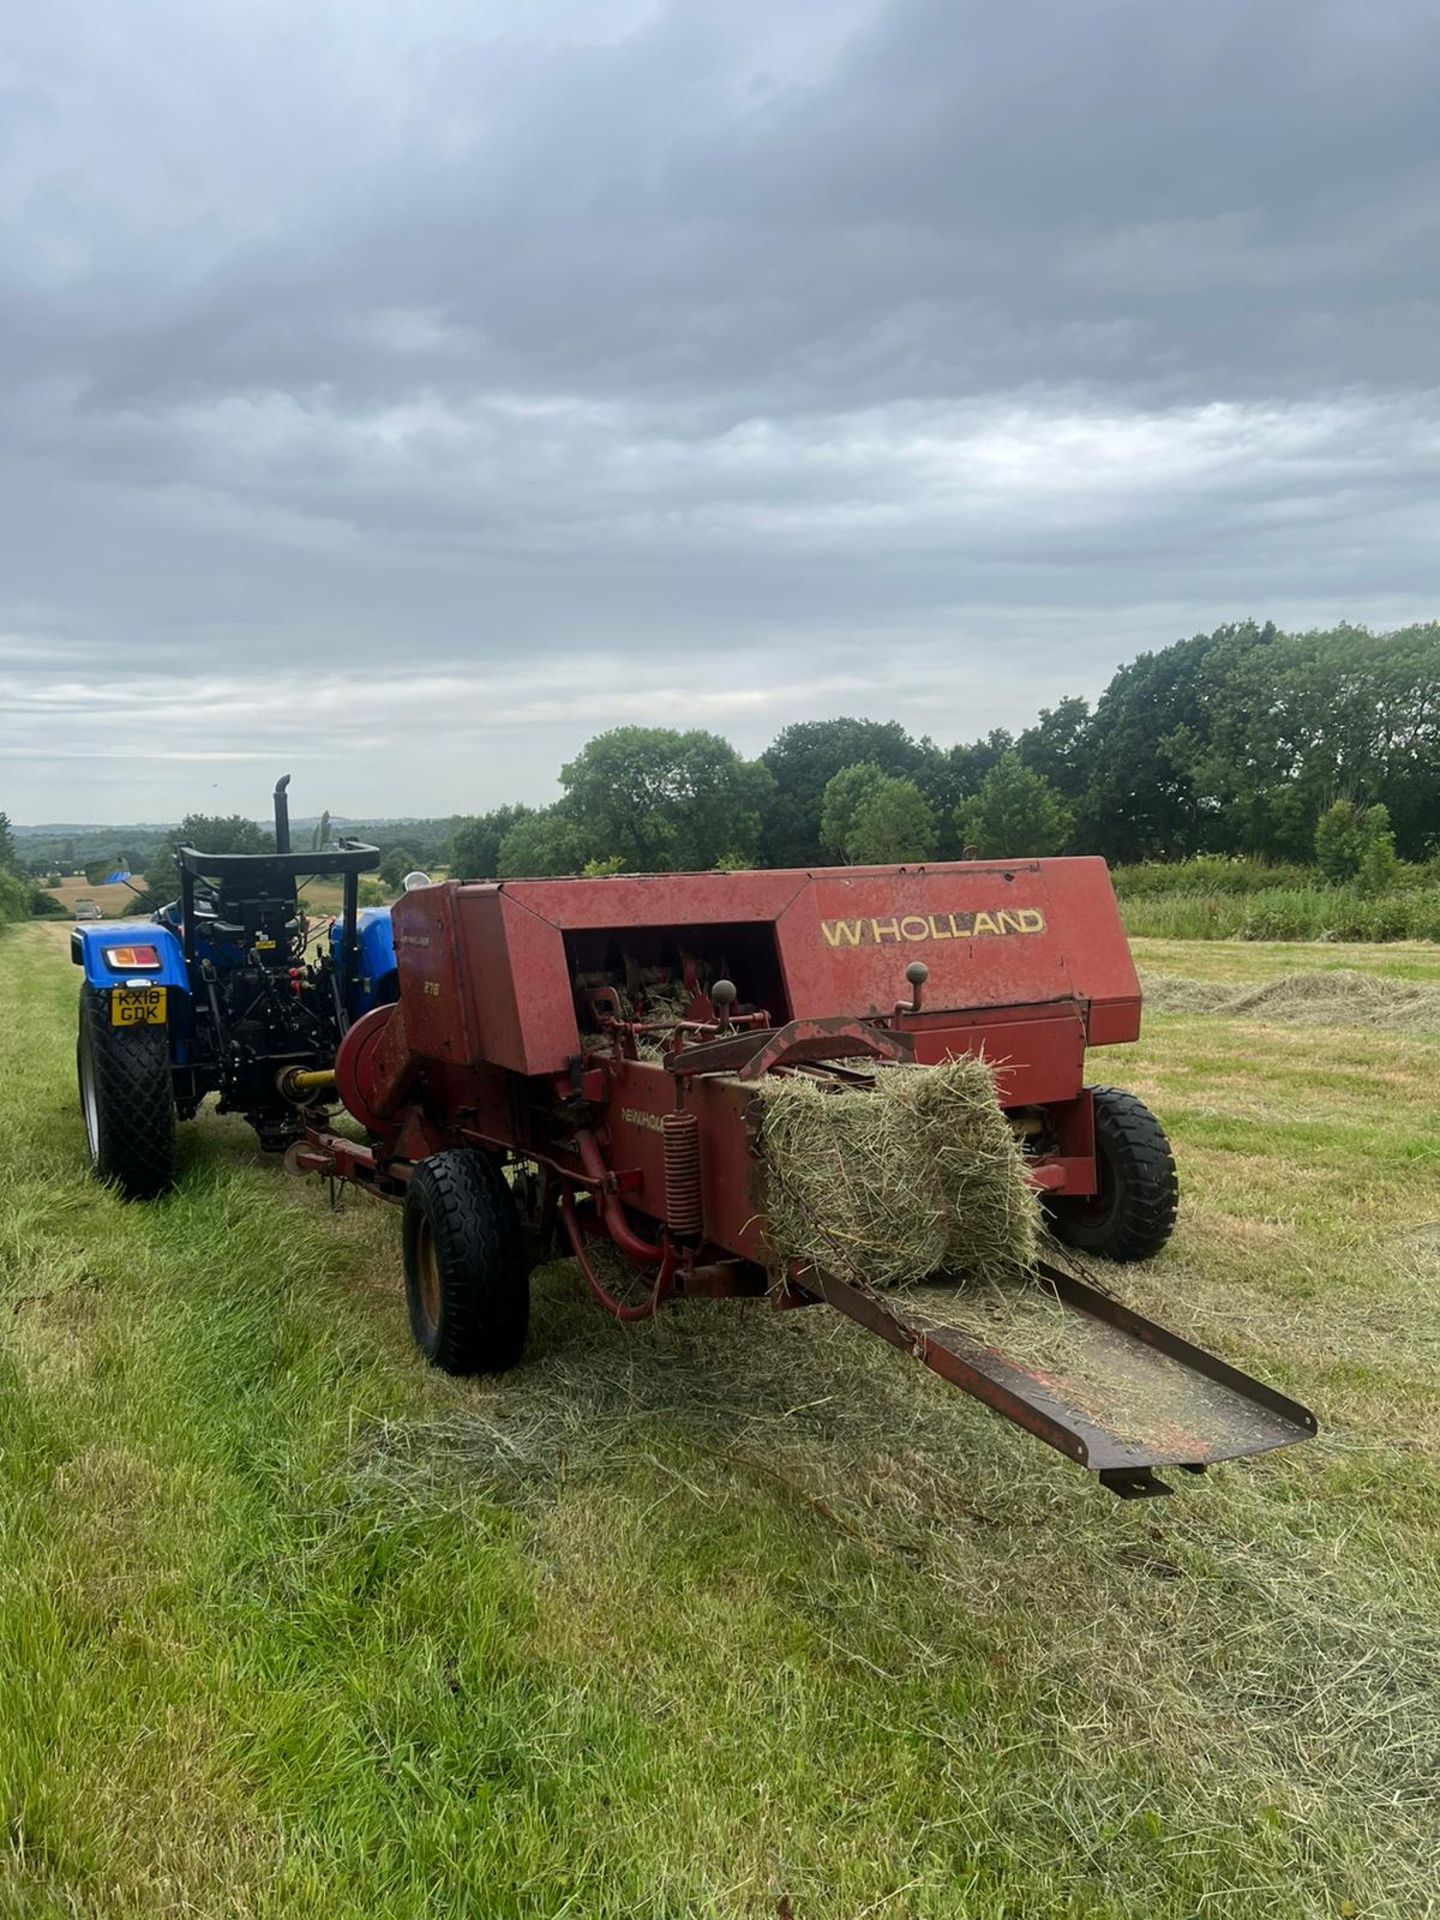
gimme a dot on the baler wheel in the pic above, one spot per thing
(1133, 1214)
(467, 1278)
(127, 1097)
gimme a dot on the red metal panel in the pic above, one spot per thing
(435, 986)
(987, 934)
(1098, 953)
(730, 1175)
(518, 982)
(1036, 1061)
(658, 899)
(732, 1206)
(643, 1094)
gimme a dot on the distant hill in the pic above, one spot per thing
(67, 846)
(157, 829)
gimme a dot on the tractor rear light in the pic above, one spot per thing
(128, 959)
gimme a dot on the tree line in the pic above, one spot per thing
(1246, 741)
(20, 898)
(1318, 748)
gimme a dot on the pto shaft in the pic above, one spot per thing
(297, 1084)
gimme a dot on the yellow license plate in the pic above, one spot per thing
(137, 1006)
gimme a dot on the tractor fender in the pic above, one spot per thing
(100, 948)
(375, 959)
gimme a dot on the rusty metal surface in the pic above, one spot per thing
(1111, 1390)
(749, 1055)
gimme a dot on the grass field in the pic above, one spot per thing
(733, 1614)
(1251, 962)
(115, 903)
(1322, 914)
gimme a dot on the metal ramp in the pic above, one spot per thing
(1062, 1358)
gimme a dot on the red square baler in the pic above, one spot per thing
(578, 1058)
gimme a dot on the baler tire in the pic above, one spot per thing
(467, 1276)
(1133, 1214)
(127, 1100)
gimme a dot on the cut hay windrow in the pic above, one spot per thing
(919, 1173)
(1336, 997)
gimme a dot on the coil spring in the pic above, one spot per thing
(681, 1135)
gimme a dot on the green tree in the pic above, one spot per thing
(1379, 863)
(542, 844)
(397, 862)
(1150, 729)
(1016, 815)
(1058, 747)
(894, 822)
(9, 862)
(871, 818)
(839, 803)
(14, 897)
(664, 801)
(210, 833)
(1355, 843)
(805, 758)
(1339, 841)
(971, 761)
(476, 842)
(1236, 741)
(321, 836)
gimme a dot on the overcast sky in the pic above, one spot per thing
(398, 394)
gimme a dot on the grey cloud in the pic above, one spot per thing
(945, 351)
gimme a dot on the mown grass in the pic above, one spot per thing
(1252, 963)
(721, 1613)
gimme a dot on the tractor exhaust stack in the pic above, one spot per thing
(282, 815)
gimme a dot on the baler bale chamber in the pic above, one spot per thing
(574, 1064)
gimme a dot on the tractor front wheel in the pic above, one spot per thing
(127, 1097)
(1131, 1215)
(467, 1278)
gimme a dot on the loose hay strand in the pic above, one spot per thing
(913, 1175)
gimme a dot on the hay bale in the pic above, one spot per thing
(919, 1173)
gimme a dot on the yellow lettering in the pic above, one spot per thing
(932, 926)
(841, 933)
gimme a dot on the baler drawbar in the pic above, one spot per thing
(573, 1064)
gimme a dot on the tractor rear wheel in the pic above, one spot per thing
(467, 1278)
(127, 1097)
(1132, 1213)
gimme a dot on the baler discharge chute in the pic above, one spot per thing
(1112, 1391)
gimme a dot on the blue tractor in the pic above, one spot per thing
(231, 989)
